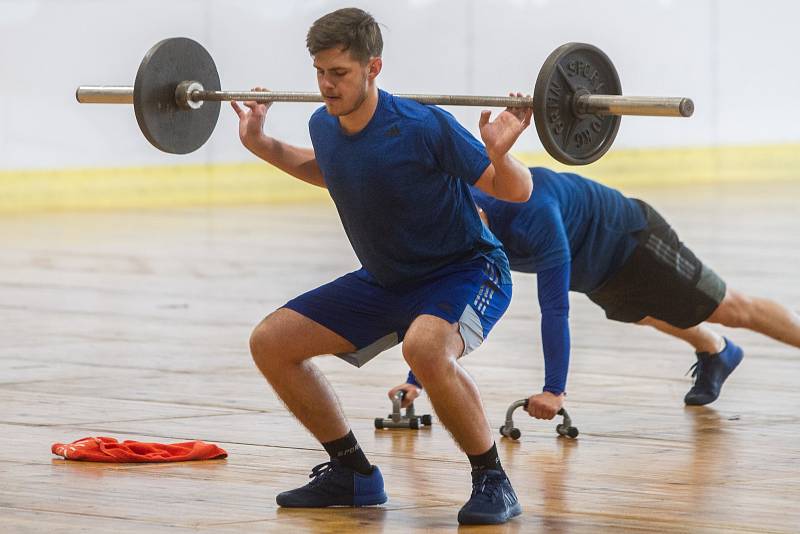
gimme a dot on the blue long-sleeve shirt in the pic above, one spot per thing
(553, 287)
(574, 233)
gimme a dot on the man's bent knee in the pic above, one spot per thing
(734, 311)
(431, 344)
(264, 341)
(286, 337)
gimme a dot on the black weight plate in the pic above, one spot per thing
(570, 137)
(163, 123)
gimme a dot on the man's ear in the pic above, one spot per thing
(375, 66)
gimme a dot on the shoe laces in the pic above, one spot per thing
(487, 484)
(702, 377)
(320, 472)
(695, 369)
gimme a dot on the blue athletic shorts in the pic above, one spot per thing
(375, 318)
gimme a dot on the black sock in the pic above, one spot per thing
(348, 452)
(487, 460)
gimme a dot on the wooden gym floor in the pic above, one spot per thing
(135, 325)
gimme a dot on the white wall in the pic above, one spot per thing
(737, 59)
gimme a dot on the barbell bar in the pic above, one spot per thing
(650, 106)
(577, 101)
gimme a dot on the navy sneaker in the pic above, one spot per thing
(710, 371)
(492, 501)
(333, 484)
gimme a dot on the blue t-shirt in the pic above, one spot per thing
(401, 187)
(568, 219)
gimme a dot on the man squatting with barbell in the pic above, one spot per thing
(433, 276)
(579, 235)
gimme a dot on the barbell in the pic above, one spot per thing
(577, 100)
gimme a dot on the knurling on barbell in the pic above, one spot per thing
(577, 100)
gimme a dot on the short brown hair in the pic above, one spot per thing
(350, 29)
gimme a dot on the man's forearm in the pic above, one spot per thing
(512, 179)
(297, 161)
(556, 347)
(553, 286)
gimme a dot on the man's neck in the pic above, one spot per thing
(356, 121)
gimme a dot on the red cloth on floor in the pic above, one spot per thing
(103, 449)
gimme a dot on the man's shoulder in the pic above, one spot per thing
(570, 183)
(410, 110)
(319, 117)
(560, 187)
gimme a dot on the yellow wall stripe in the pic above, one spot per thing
(681, 166)
(256, 183)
